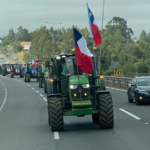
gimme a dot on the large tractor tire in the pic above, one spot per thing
(21, 74)
(27, 77)
(25, 80)
(45, 87)
(40, 82)
(11, 74)
(3, 73)
(55, 114)
(95, 118)
(106, 116)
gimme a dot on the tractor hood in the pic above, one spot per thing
(82, 79)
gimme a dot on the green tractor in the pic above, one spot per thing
(71, 92)
(40, 74)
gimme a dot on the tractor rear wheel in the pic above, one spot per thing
(45, 87)
(21, 74)
(27, 77)
(11, 74)
(40, 82)
(55, 114)
(95, 118)
(3, 73)
(106, 118)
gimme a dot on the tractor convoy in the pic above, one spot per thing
(70, 92)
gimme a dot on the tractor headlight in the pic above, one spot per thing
(85, 85)
(73, 86)
(58, 57)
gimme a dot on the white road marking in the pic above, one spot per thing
(28, 85)
(45, 99)
(41, 95)
(37, 91)
(146, 123)
(116, 89)
(137, 118)
(33, 88)
(56, 135)
(5, 96)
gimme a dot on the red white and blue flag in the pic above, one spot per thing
(95, 30)
(37, 60)
(33, 64)
(83, 54)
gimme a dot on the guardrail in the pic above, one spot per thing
(121, 82)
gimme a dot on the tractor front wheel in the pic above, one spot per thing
(55, 113)
(106, 116)
(27, 77)
(11, 74)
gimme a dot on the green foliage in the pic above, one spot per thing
(142, 68)
(17, 47)
(128, 68)
(120, 51)
(108, 72)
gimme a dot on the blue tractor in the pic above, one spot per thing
(5, 69)
(29, 72)
(16, 69)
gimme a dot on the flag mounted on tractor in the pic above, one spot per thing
(83, 54)
(37, 60)
(94, 30)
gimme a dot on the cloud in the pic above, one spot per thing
(33, 14)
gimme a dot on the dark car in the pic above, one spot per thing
(139, 90)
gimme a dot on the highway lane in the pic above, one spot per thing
(23, 119)
(121, 101)
(80, 132)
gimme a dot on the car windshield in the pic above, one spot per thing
(143, 82)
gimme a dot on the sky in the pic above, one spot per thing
(32, 14)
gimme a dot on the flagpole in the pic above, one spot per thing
(100, 63)
(77, 64)
(95, 70)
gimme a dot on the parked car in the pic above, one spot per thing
(139, 90)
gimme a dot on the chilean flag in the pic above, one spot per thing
(83, 54)
(94, 27)
(37, 60)
(33, 64)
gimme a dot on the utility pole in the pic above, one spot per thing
(53, 23)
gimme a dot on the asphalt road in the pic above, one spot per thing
(24, 123)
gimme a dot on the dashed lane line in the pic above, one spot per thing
(37, 91)
(28, 84)
(56, 135)
(5, 96)
(130, 114)
(41, 95)
(45, 99)
(32, 88)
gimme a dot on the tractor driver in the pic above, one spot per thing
(64, 67)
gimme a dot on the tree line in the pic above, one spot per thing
(119, 50)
